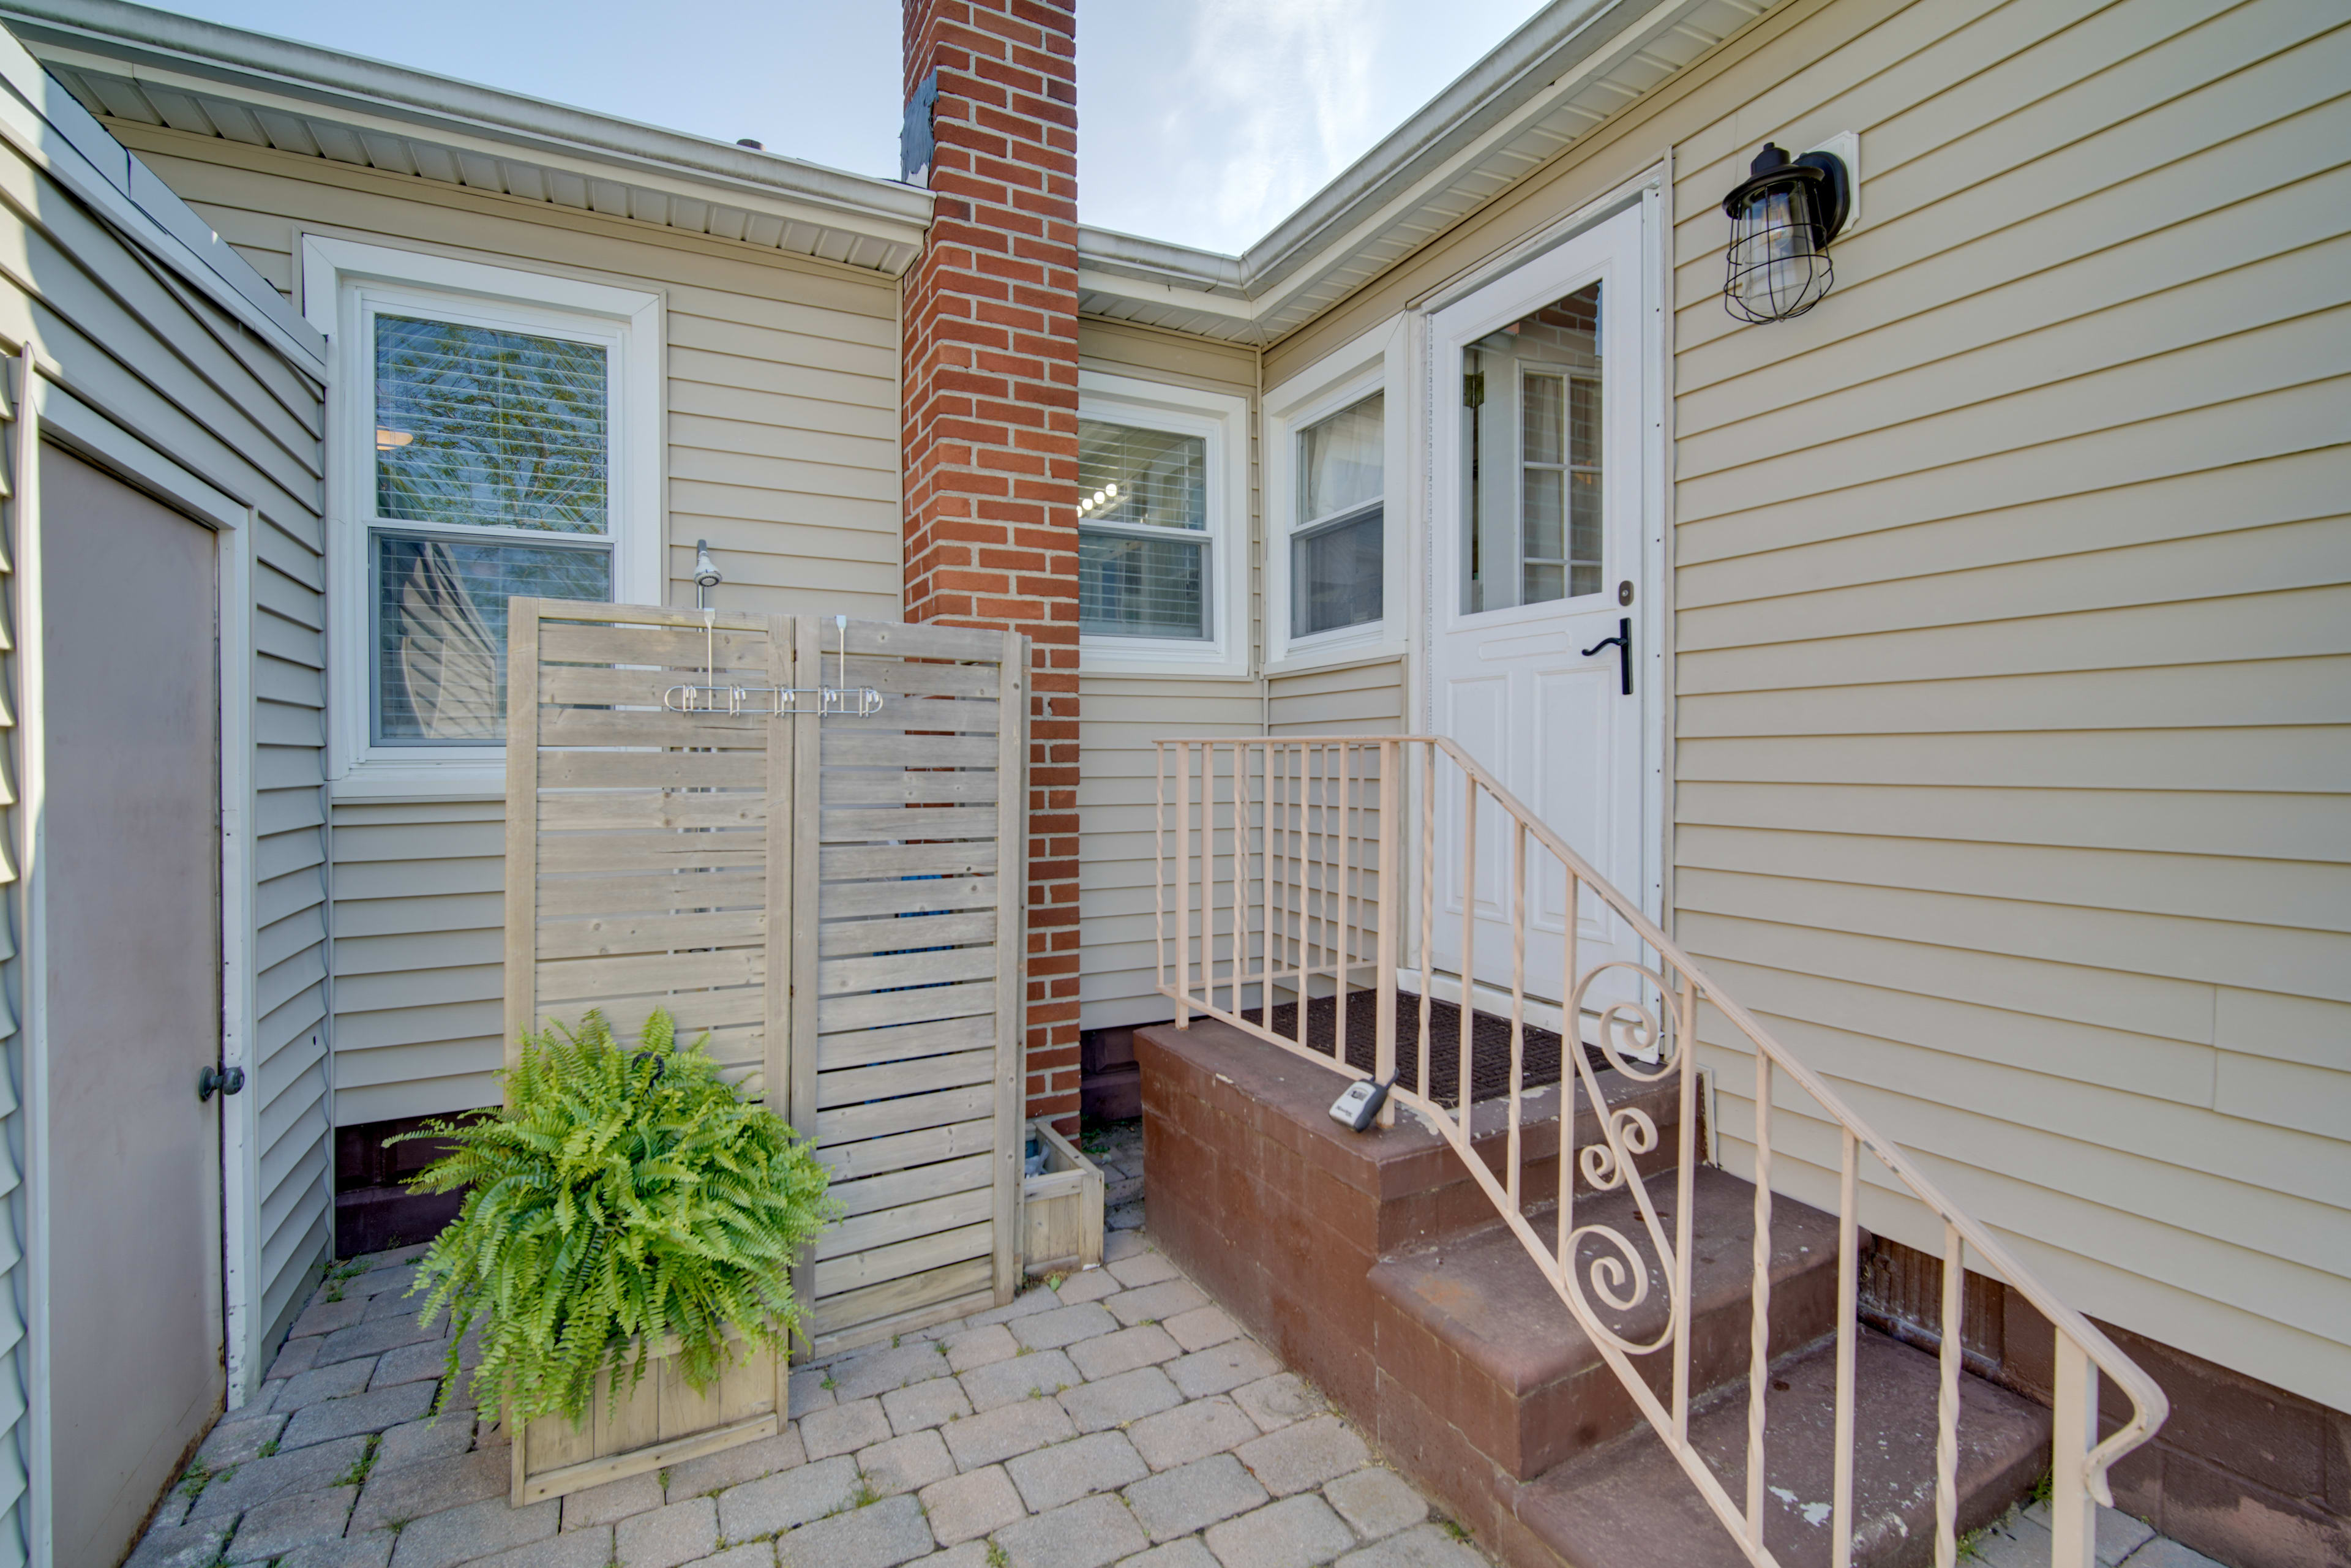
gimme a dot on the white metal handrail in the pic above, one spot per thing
(1306, 838)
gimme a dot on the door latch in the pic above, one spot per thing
(227, 1081)
(1623, 643)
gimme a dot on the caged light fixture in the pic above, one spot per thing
(1783, 217)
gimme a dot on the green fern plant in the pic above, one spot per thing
(618, 1197)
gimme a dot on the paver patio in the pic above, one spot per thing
(1118, 1417)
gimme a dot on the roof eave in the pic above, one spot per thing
(249, 63)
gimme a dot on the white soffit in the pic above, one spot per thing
(129, 63)
(1573, 67)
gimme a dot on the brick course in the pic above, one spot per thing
(990, 426)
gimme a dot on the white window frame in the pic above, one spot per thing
(340, 278)
(1375, 362)
(1221, 420)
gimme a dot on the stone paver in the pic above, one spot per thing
(1005, 1431)
(277, 1527)
(876, 1372)
(416, 1491)
(1190, 1552)
(981, 1347)
(1087, 1534)
(1190, 1498)
(374, 1338)
(880, 1535)
(372, 1550)
(1050, 1476)
(298, 1356)
(258, 1480)
(1296, 1532)
(476, 1530)
(733, 1467)
(430, 1438)
(1154, 1304)
(781, 1501)
(1424, 1546)
(581, 1549)
(1305, 1455)
(1192, 1431)
(1064, 1326)
(1091, 1285)
(1200, 1328)
(905, 1464)
(750, 1554)
(235, 1441)
(1222, 1368)
(336, 1382)
(1145, 1268)
(1109, 1355)
(1115, 1401)
(968, 1506)
(924, 1405)
(612, 1502)
(1275, 1402)
(373, 1412)
(843, 1428)
(180, 1546)
(1376, 1503)
(666, 1537)
(1023, 1378)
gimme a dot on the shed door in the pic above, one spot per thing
(131, 840)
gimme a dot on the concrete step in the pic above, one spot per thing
(1630, 1505)
(1470, 1332)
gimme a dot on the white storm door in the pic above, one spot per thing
(1537, 510)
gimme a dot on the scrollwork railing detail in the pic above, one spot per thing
(1308, 836)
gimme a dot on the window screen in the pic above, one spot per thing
(1336, 570)
(1143, 545)
(490, 447)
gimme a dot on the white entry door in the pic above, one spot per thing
(1538, 511)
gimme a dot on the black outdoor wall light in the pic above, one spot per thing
(1783, 217)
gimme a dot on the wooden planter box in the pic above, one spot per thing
(661, 1421)
(1063, 1206)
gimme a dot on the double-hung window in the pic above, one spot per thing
(1338, 548)
(1143, 532)
(490, 445)
(1161, 518)
(1336, 591)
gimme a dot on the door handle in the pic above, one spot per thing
(225, 1081)
(1623, 643)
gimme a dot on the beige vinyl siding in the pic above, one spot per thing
(2011, 630)
(1120, 716)
(161, 361)
(1365, 699)
(781, 403)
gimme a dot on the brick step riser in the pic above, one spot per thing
(1434, 1198)
(1526, 1431)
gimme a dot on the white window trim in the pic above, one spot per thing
(1221, 419)
(335, 272)
(1373, 362)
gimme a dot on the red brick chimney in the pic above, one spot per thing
(990, 420)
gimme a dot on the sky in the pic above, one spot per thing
(1201, 121)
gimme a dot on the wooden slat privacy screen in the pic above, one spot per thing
(820, 893)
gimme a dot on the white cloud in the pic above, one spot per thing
(1207, 121)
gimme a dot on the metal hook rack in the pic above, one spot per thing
(860, 702)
